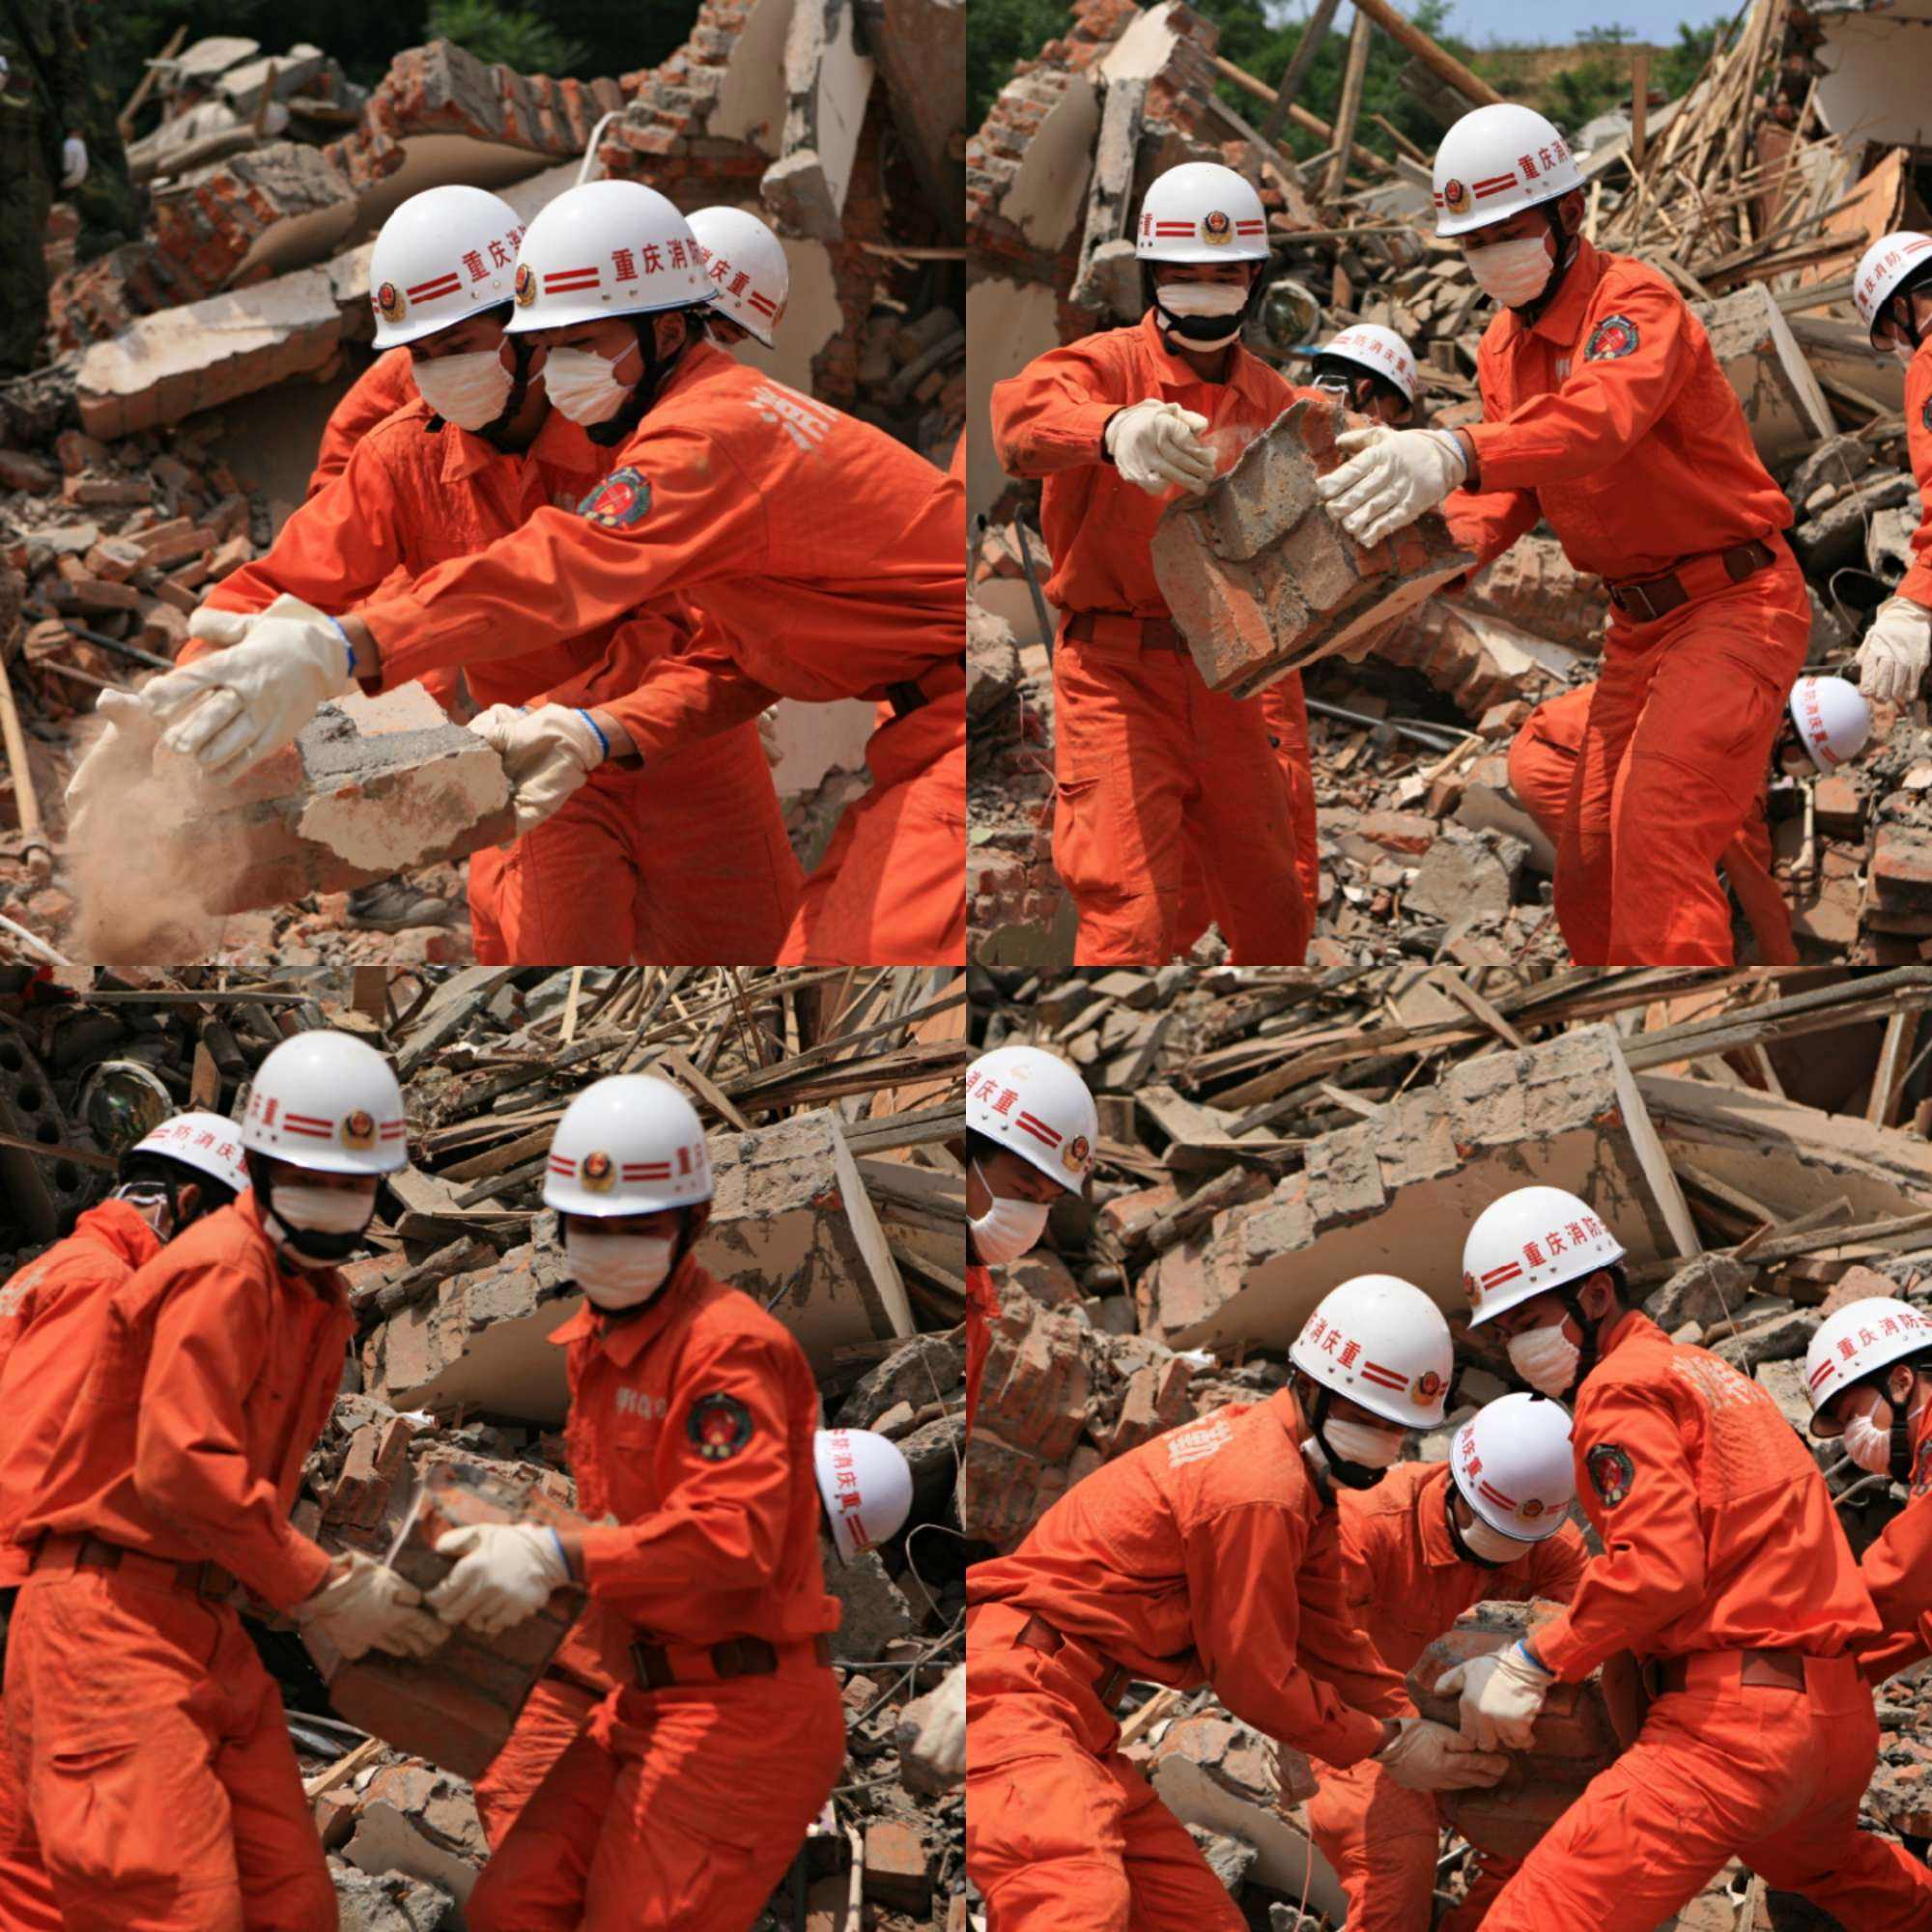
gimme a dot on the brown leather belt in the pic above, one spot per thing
(660, 1666)
(1118, 631)
(1784, 1669)
(1653, 597)
(936, 681)
(1110, 1687)
(96, 1552)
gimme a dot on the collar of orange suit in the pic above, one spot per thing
(1561, 320)
(116, 1225)
(1431, 1516)
(559, 442)
(624, 1341)
(1246, 376)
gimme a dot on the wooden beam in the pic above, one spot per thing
(1441, 63)
(1351, 107)
(1299, 61)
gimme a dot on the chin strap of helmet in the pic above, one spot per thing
(657, 369)
(1351, 1475)
(1566, 253)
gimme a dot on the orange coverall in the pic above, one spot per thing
(132, 1692)
(1543, 769)
(1898, 1569)
(386, 386)
(833, 559)
(1610, 418)
(982, 1309)
(679, 1808)
(683, 862)
(1205, 1556)
(1918, 581)
(42, 1308)
(1720, 1538)
(1159, 782)
(1407, 1584)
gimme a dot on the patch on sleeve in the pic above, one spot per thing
(619, 501)
(1614, 336)
(1922, 1469)
(1612, 1473)
(1925, 414)
(720, 1426)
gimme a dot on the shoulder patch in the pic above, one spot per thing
(1921, 1470)
(720, 1427)
(1614, 336)
(1925, 414)
(1196, 1444)
(619, 500)
(1612, 1473)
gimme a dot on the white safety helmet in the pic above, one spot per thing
(1886, 263)
(1527, 1242)
(1201, 211)
(747, 265)
(1380, 350)
(1859, 1341)
(1512, 1462)
(606, 248)
(209, 1142)
(865, 1485)
(1496, 161)
(1382, 1343)
(329, 1103)
(1833, 720)
(628, 1145)
(1035, 1105)
(441, 257)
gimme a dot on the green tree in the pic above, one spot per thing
(999, 32)
(494, 32)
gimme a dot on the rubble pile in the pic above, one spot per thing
(831, 1098)
(1755, 199)
(1760, 1144)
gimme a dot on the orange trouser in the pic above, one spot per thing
(1765, 1774)
(891, 890)
(1285, 712)
(1543, 767)
(555, 1712)
(678, 863)
(1063, 1835)
(1160, 780)
(1674, 754)
(675, 1811)
(157, 1764)
(27, 1901)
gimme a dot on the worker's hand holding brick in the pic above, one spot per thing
(1502, 1695)
(367, 1607)
(1393, 477)
(238, 706)
(1425, 1756)
(506, 1574)
(1896, 649)
(1157, 447)
(547, 753)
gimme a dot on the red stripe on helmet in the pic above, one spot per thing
(570, 279)
(1039, 1129)
(1494, 1494)
(289, 1126)
(647, 1170)
(436, 285)
(1373, 1371)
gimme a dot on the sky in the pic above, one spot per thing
(1551, 22)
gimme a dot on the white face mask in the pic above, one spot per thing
(148, 1199)
(580, 383)
(1512, 272)
(1358, 1442)
(1868, 1445)
(1491, 1545)
(1546, 1358)
(323, 1210)
(619, 1271)
(468, 391)
(1008, 1229)
(1200, 300)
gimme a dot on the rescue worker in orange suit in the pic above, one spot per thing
(187, 1167)
(133, 1694)
(1868, 1373)
(1606, 413)
(829, 557)
(1418, 1549)
(865, 1485)
(1031, 1129)
(1892, 288)
(685, 862)
(1826, 724)
(1158, 780)
(1209, 1555)
(683, 1799)
(1723, 1569)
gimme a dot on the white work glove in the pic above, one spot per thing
(1157, 446)
(547, 753)
(116, 762)
(238, 706)
(937, 1723)
(767, 736)
(1502, 1695)
(1393, 477)
(506, 1574)
(367, 1607)
(1895, 651)
(73, 162)
(1425, 1756)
